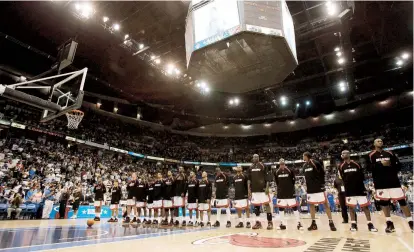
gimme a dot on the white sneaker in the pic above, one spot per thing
(73, 217)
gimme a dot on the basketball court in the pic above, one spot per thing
(74, 235)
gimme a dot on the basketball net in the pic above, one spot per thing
(74, 118)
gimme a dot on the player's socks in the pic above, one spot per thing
(297, 215)
(409, 219)
(228, 214)
(218, 214)
(282, 217)
(388, 219)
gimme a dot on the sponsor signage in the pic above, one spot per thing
(191, 162)
(118, 150)
(207, 163)
(102, 146)
(227, 164)
(45, 132)
(18, 125)
(136, 154)
(172, 160)
(155, 158)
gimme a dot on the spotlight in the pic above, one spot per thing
(337, 49)
(231, 102)
(23, 78)
(405, 56)
(206, 89)
(292, 122)
(307, 103)
(225, 127)
(116, 27)
(169, 71)
(85, 9)
(342, 86)
(339, 54)
(157, 61)
(341, 61)
(342, 89)
(399, 62)
(152, 57)
(330, 116)
(236, 101)
(297, 105)
(203, 84)
(331, 8)
(177, 72)
(126, 36)
(352, 111)
(141, 46)
(283, 100)
(105, 19)
(267, 125)
(170, 66)
(77, 6)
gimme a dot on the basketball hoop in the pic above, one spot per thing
(74, 118)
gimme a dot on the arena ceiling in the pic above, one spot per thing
(373, 37)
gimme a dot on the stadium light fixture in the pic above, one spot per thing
(339, 54)
(23, 78)
(177, 72)
(246, 126)
(231, 102)
(283, 100)
(141, 46)
(236, 101)
(77, 6)
(330, 116)
(116, 27)
(105, 19)
(297, 105)
(337, 49)
(331, 8)
(152, 57)
(405, 56)
(169, 71)
(342, 86)
(126, 36)
(267, 125)
(352, 111)
(85, 9)
(206, 89)
(399, 62)
(292, 122)
(307, 103)
(157, 61)
(341, 61)
(225, 127)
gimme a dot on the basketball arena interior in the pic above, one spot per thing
(206, 125)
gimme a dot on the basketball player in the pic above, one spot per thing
(158, 194)
(141, 196)
(168, 195)
(178, 200)
(353, 178)
(115, 198)
(150, 201)
(99, 191)
(204, 196)
(315, 183)
(241, 195)
(131, 199)
(258, 190)
(192, 195)
(385, 167)
(222, 197)
(285, 182)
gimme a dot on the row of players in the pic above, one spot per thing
(168, 194)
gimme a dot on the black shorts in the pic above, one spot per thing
(76, 205)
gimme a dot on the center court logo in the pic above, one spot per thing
(250, 239)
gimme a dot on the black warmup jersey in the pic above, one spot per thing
(169, 191)
(150, 193)
(180, 185)
(99, 191)
(192, 189)
(384, 177)
(115, 195)
(158, 189)
(285, 181)
(141, 191)
(132, 188)
(222, 186)
(204, 191)
(257, 177)
(353, 178)
(240, 187)
(315, 176)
